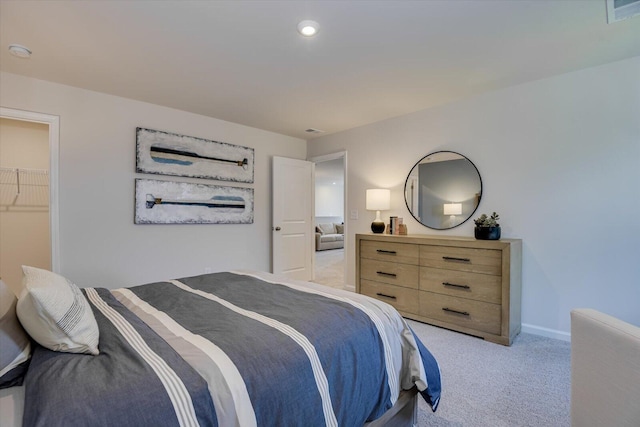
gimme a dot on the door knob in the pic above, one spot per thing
(278, 229)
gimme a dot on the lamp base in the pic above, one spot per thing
(378, 227)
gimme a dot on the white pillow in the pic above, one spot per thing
(327, 228)
(55, 313)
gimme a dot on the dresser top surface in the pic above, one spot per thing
(439, 240)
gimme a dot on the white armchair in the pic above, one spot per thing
(605, 371)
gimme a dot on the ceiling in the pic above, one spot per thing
(329, 172)
(244, 62)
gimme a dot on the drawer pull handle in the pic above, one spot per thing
(456, 286)
(464, 313)
(451, 258)
(385, 295)
(382, 251)
(382, 273)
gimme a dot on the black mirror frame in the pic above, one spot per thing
(416, 164)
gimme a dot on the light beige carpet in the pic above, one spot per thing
(329, 268)
(490, 385)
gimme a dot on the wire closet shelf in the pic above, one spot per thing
(24, 188)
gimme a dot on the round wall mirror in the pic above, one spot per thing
(443, 190)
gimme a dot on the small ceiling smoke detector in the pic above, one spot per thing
(312, 130)
(308, 28)
(19, 51)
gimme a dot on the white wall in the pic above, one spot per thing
(560, 162)
(100, 245)
(329, 200)
(329, 190)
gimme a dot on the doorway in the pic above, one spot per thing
(330, 243)
(28, 193)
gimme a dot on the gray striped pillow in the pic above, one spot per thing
(55, 313)
(14, 341)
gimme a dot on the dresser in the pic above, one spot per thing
(467, 285)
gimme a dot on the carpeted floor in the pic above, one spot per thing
(329, 269)
(490, 385)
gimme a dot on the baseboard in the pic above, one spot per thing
(546, 332)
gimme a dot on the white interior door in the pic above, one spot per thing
(292, 228)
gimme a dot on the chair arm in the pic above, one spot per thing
(605, 370)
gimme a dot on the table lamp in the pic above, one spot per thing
(378, 199)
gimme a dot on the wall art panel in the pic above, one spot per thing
(167, 153)
(170, 202)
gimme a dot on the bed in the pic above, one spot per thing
(239, 348)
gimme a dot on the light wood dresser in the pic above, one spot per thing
(467, 285)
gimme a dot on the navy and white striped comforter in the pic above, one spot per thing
(232, 349)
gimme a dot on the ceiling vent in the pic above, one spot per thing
(312, 130)
(617, 10)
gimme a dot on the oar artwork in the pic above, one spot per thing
(234, 202)
(183, 157)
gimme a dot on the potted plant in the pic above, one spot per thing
(487, 227)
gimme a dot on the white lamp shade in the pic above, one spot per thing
(378, 199)
(453, 208)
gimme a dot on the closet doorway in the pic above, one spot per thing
(329, 221)
(28, 212)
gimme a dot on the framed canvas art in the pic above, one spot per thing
(170, 202)
(167, 153)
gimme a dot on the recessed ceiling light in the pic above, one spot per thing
(308, 28)
(19, 51)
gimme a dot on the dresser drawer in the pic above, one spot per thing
(471, 314)
(486, 261)
(402, 299)
(404, 253)
(405, 275)
(481, 287)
